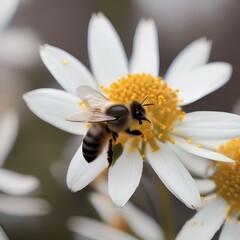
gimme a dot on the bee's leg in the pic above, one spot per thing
(115, 136)
(110, 152)
(134, 132)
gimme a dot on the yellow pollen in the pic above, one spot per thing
(83, 104)
(227, 175)
(65, 62)
(199, 145)
(162, 114)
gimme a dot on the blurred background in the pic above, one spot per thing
(40, 149)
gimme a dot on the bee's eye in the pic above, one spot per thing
(139, 113)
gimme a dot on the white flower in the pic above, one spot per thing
(3, 235)
(58, 169)
(18, 49)
(7, 10)
(119, 223)
(221, 206)
(172, 15)
(22, 42)
(170, 130)
(14, 183)
(23, 206)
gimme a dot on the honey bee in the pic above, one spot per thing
(107, 120)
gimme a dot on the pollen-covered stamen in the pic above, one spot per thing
(161, 114)
(227, 175)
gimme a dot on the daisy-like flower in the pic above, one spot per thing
(221, 205)
(188, 79)
(126, 223)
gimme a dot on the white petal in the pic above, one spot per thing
(209, 126)
(96, 230)
(134, 217)
(66, 69)
(231, 229)
(215, 145)
(22, 206)
(206, 222)
(8, 133)
(101, 186)
(124, 176)
(58, 168)
(208, 120)
(196, 118)
(16, 183)
(81, 173)
(145, 56)
(105, 208)
(3, 235)
(174, 175)
(54, 106)
(24, 48)
(191, 57)
(196, 165)
(205, 186)
(7, 10)
(202, 81)
(106, 53)
(141, 224)
(236, 107)
(199, 151)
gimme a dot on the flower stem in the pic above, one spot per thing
(168, 225)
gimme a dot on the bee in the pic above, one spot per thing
(107, 120)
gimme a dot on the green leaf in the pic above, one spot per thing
(117, 152)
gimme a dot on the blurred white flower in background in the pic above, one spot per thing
(58, 169)
(18, 46)
(10, 181)
(127, 223)
(3, 235)
(18, 51)
(236, 107)
(14, 185)
(176, 15)
(7, 10)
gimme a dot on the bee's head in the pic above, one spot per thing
(138, 111)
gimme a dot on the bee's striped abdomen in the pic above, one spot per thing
(93, 141)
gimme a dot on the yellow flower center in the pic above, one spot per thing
(162, 114)
(227, 176)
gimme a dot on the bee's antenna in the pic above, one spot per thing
(146, 104)
(144, 100)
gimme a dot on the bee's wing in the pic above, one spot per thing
(90, 116)
(92, 98)
(95, 103)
